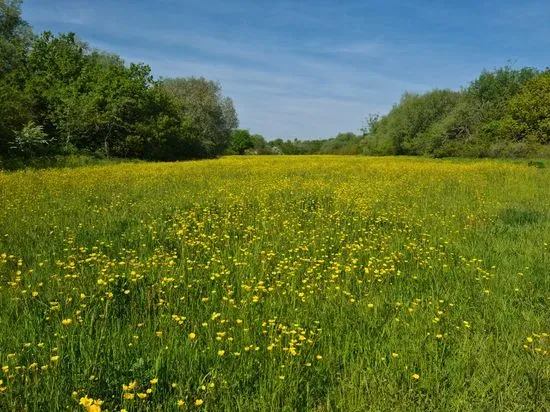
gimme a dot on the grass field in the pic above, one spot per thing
(276, 283)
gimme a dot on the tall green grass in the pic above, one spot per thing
(310, 283)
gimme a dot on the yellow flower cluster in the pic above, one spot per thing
(279, 283)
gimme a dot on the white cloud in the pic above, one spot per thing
(48, 13)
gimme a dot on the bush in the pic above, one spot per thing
(30, 141)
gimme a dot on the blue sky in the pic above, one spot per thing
(310, 68)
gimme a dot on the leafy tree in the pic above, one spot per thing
(240, 141)
(15, 36)
(405, 129)
(494, 89)
(89, 101)
(113, 101)
(443, 123)
(260, 145)
(295, 147)
(54, 64)
(343, 143)
(528, 113)
(208, 115)
(30, 141)
(370, 124)
(14, 113)
(94, 102)
(15, 40)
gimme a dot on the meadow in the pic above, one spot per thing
(319, 283)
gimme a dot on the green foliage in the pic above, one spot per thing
(260, 145)
(15, 36)
(15, 39)
(343, 143)
(407, 129)
(497, 87)
(30, 140)
(240, 141)
(528, 112)
(502, 113)
(296, 147)
(207, 114)
(89, 101)
(14, 111)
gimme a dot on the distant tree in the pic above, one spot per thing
(343, 143)
(229, 114)
(240, 141)
(260, 145)
(290, 147)
(209, 116)
(295, 147)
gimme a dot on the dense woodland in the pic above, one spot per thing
(59, 96)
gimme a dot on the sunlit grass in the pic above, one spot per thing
(276, 283)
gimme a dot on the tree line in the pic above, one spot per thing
(60, 96)
(503, 113)
(243, 142)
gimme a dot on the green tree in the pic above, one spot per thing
(343, 143)
(106, 107)
(208, 115)
(444, 123)
(405, 129)
(30, 141)
(528, 113)
(54, 66)
(494, 88)
(86, 100)
(15, 40)
(15, 36)
(260, 144)
(93, 102)
(240, 141)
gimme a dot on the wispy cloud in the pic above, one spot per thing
(371, 49)
(51, 13)
(287, 87)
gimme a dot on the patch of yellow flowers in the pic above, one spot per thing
(159, 271)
